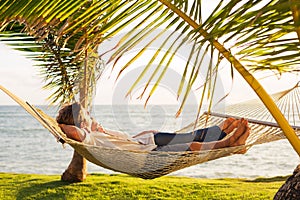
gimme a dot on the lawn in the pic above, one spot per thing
(100, 186)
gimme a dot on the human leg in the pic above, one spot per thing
(210, 134)
(238, 138)
(164, 138)
(216, 133)
(213, 133)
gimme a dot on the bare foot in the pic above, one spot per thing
(229, 125)
(226, 123)
(240, 136)
(246, 131)
(243, 138)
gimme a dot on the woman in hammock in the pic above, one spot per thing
(77, 124)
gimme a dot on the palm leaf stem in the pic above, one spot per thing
(296, 16)
(250, 79)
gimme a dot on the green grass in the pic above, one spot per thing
(99, 186)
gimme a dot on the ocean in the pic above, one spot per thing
(26, 147)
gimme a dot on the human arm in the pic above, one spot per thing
(145, 132)
(116, 133)
(73, 132)
(95, 126)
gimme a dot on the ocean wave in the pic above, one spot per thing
(28, 148)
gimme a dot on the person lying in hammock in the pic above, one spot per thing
(78, 125)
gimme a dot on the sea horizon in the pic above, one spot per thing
(29, 148)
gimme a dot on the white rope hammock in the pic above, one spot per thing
(154, 164)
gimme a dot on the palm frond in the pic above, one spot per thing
(262, 34)
(53, 62)
(258, 35)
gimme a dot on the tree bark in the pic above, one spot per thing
(290, 190)
(77, 170)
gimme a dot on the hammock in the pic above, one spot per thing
(153, 164)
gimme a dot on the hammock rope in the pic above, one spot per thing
(153, 164)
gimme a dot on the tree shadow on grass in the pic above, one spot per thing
(48, 190)
(268, 180)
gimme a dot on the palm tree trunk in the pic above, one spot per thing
(291, 188)
(77, 169)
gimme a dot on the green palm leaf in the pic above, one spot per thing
(250, 29)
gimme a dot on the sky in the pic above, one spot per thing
(19, 75)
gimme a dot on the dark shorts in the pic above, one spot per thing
(210, 134)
